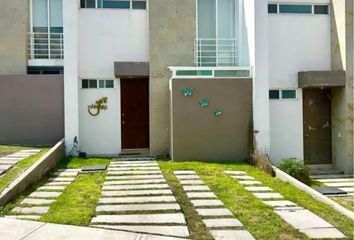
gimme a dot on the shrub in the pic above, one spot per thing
(297, 169)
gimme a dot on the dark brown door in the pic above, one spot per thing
(135, 113)
(317, 126)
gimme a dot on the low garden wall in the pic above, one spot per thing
(33, 174)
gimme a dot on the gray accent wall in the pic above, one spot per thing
(171, 42)
(197, 134)
(14, 21)
(31, 109)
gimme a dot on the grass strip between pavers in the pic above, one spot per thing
(77, 204)
(257, 217)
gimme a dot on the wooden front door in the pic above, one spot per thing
(135, 113)
(317, 126)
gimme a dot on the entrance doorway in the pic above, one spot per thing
(135, 113)
(317, 126)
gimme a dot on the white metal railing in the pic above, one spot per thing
(216, 52)
(43, 45)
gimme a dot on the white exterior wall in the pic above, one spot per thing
(297, 42)
(100, 135)
(107, 36)
(256, 20)
(71, 73)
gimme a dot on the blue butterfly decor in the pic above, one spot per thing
(204, 102)
(187, 92)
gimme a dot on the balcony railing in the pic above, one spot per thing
(42, 45)
(216, 52)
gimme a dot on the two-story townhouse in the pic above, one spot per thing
(198, 79)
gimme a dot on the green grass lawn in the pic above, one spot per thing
(6, 149)
(20, 167)
(347, 202)
(77, 204)
(257, 217)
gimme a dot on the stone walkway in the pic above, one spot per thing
(35, 205)
(135, 197)
(217, 218)
(341, 181)
(301, 219)
(8, 161)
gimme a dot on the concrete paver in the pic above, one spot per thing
(140, 186)
(37, 201)
(136, 193)
(202, 195)
(135, 182)
(31, 210)
(280, 203)
(231, 235)
(213, 212)
(131, 177)
(191, 188)
(163, 218)
(138, 207)
(222, 222)
(323, 233)
(113, 200)
(207, 203)
(179, 231)
(44, 194)
(258, 189)
(267, 195)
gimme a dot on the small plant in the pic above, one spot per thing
(297, 169)
(261, 161)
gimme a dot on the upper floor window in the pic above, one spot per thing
(216, 43)
(298, 8)
(121, 4)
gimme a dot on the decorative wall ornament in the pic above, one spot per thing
(98, 106)
(204, 102)
(218, 112)
(187, 92)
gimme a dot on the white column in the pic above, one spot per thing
(256, 20)
(71, 71)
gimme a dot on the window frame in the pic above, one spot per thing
(313, 5)
(97, 83)
(281, 94)
(130, 5)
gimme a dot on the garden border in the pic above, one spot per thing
(34, 173)
(318, 196)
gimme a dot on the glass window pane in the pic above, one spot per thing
(206, 19)
(40, 13)
(288, 94)
(84, 83)
(109, 84)
(139, 5)
(90, 4)
(288, 8)
(115, 4)
(273, 94)
(272, 8)
(321, 9)
(225, 73)
(56, 13)
(101, 84)
(93, 83)
(226, 18)
(194, 73)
